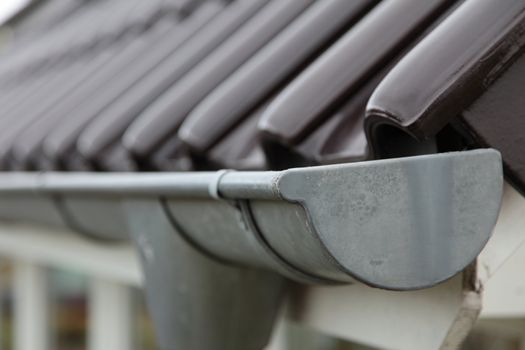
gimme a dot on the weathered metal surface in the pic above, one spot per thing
(372, 217)
(93, 217)
(397, 224)
(196, 302)
(338, 311)
(240, 241)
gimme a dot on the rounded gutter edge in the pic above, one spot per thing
(492, 157)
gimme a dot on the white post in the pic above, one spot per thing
(110, 315)
(31, 307)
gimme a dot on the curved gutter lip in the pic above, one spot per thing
(426, 246)
(398, 224)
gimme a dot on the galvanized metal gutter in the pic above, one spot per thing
(365, 220)
(216, 245)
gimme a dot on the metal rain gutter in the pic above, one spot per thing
(215, 246)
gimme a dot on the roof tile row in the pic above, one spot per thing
(257, 84)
